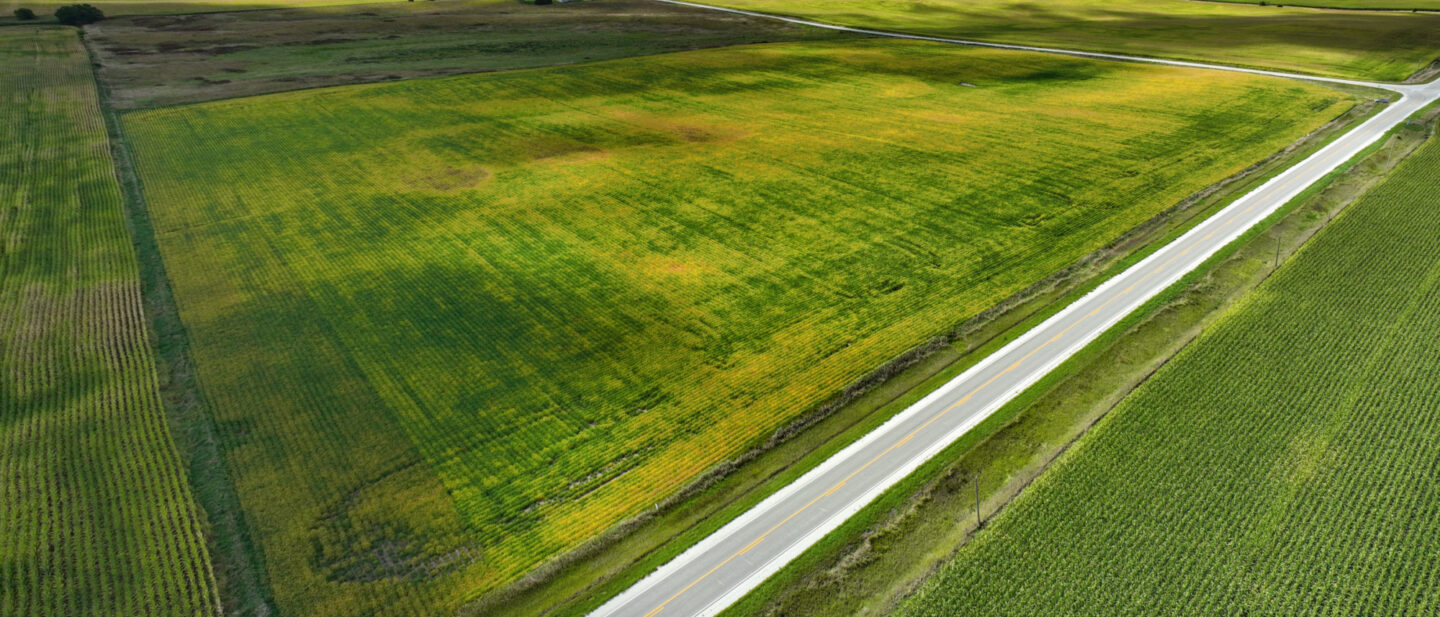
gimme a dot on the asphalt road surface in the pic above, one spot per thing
(720, 569)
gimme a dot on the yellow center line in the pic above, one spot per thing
(697, 581)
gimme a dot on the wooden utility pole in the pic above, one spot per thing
(977, 500)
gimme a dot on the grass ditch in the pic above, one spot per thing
(582, 579)
(239, 564)
(886, 551)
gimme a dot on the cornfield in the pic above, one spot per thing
(1283, 464)
(96, 516)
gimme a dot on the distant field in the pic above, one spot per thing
(224, 55)
(1384, 5)
(96, 516)
(45, 8)
(574, 289)
(1372, 45)
(1283, 464)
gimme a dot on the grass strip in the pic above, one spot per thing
(238, 562)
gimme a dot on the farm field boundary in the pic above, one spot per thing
(237, 562)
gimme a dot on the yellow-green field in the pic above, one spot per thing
(1372, 45)
(454, 327)
(96, 516)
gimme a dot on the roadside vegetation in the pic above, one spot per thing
(473, 265)
(96, 515)
(1281, 464)
(225, 55)
(1369, 45)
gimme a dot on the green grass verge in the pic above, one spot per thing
(1311, 398)
(1369, 45)
(238, 563)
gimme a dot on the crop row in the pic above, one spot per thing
(96, 516)
(1283, 464)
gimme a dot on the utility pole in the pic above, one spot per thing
(1277, 252)
(977, 500)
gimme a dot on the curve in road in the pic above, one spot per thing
(723, 567)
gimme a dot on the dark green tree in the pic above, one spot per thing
(24, 14)
(78, 14)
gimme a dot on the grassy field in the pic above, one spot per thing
(1281, 464)
(574, 289)
(96, 517)
(1381, 46)
(224, 55)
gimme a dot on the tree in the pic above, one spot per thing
(78, 14)
(543, 2)
(24, 14)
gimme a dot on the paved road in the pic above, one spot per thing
(1048, 50)
(723, 567)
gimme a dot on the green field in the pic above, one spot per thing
(1371, 45)
(225, 55)
(560, 294)
(1283, 464)
(96, 516)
